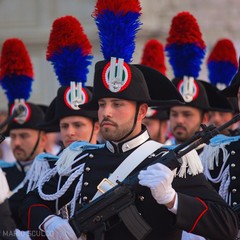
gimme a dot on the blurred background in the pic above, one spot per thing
(31, 21)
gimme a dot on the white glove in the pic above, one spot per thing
(159, 179)
(191, 236)
(4, 188)
(60, 229)
(22, 235)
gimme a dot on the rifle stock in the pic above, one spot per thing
(120, 199)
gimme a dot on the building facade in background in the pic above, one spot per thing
(31, 21)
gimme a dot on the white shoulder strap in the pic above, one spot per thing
(127, 166)
(20, 185)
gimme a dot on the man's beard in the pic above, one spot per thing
(114, 133)
(114, 136)
(180, 137)
(20, 155)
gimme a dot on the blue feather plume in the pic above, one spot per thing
(17, 87)
(71, 66)
(182, 68)
(221, 72)
(117, 34)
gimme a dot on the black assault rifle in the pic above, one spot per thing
(119, 201)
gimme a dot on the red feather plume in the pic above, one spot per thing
(67, 32)
(123, 6)
(153, 56)
(224, 50)
(184, 30)
(15, 59)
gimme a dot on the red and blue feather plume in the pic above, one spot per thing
(222, 63)
(69, 51)
(16, 75)
(153, 55)
(117, 22)
(185, 46)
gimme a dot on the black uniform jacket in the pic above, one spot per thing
(234, 171)
(16, 200)
(7, 226)
(200, 209)
(15, 173)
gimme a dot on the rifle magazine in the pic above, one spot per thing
(134, 222)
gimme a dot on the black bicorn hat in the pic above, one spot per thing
(222, 66)
(153, 56)
(217, 101)
(232, 89)
(160, 114)
(131, 86)
(69, 51)
(234, 103)
(16, 80)
(115, 77)
(186, 50)
(162, 91)
(193, 93)
(134, 87)
(49, 124)
(160, 87)
(31, 116)
(61, 107)
(64, 107)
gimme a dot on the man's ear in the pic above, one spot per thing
(205, 119)
(43, 134)
(142, 110)
(96, 127)
(43, 138)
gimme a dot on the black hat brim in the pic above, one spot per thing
(162, 92)
(200, 98)
(217, 101)
(232, 89)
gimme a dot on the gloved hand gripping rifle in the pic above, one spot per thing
(93, 217)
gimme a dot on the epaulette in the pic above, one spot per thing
(167, 147)
(223, 139)
(191, 163)
(211, 152)
(4, 164)
(83, 146)
(63, 167)
(214, 155)
(46, 156)
(39, 166)
(71, 152)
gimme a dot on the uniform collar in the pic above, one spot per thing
(129, 144)
(24, 166)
